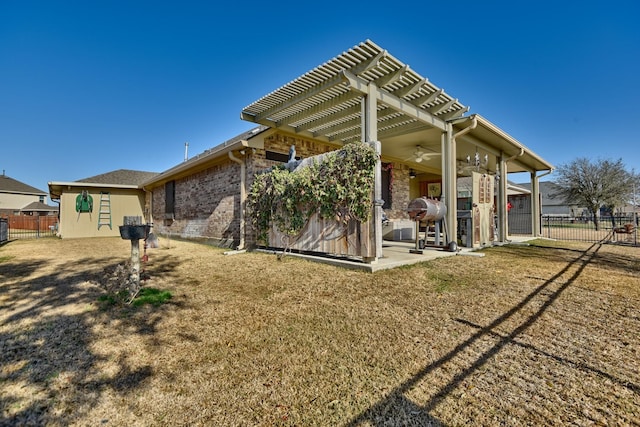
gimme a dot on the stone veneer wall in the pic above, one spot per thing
(399, 193)
(207, 205)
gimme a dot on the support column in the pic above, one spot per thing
(449, 193)
(503, 222)
(370, 133)
(450, 174)
(535, 205)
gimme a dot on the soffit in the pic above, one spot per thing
(487, 138)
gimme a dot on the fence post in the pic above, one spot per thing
(549, 227)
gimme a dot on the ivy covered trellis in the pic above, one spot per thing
(336, 185)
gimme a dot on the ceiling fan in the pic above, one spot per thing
(421, 154)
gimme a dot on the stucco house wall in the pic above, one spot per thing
(124, 202)
(11, 204)
(126, 198)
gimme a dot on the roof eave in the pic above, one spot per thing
(521, 154)
(199, 160)
(55, 187)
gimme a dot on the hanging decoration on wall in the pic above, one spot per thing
(84, 202)
(476, 164)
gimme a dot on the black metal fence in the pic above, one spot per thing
(614, 229)
(28, 227)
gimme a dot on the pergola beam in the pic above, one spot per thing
(318, 88)
(291, 101)
(441, 107)
(391, 77)
(332, 126)
(319, 108)
(425, 99)
(409, 89)
(453, 114)
(394, 102)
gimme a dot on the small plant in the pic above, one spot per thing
(117, 281)
(121, 289)
(151, 296)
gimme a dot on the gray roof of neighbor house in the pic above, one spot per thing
(10, 185)
(120, 177)
(550, 193)
(39, 207)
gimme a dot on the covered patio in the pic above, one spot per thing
(366, 94)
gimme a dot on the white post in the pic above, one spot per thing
(135, 265)
(370, 125)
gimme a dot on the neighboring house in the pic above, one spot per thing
(96, 206)
(553, 203)
(39, 209)
(365, 94)
(18, 198)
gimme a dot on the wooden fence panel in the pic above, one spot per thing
(320, 235)
(31, 226)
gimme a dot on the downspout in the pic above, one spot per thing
(243, 197)
(503, 222)
(58, 232)
(515, 155)
(450, 171)
(149, 194)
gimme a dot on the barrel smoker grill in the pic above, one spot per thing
(428, 210)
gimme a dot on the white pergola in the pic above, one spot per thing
(365, 94)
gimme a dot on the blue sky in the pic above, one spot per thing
(90, 87)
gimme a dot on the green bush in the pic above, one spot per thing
(338, 186)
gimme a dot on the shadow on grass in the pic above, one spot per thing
(626, 261)
(46, 341)
(387, 410)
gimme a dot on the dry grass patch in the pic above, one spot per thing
(527, 335)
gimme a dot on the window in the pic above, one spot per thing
(170, 199)
(41, 199)
(278, 157)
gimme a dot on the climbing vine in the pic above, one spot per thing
(339, 186)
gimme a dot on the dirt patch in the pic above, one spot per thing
(526, 335)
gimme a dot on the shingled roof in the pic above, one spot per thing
(39, 207)
(10, 185)
(120, 177)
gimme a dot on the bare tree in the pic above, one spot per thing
(595, 184)
(635, 188)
